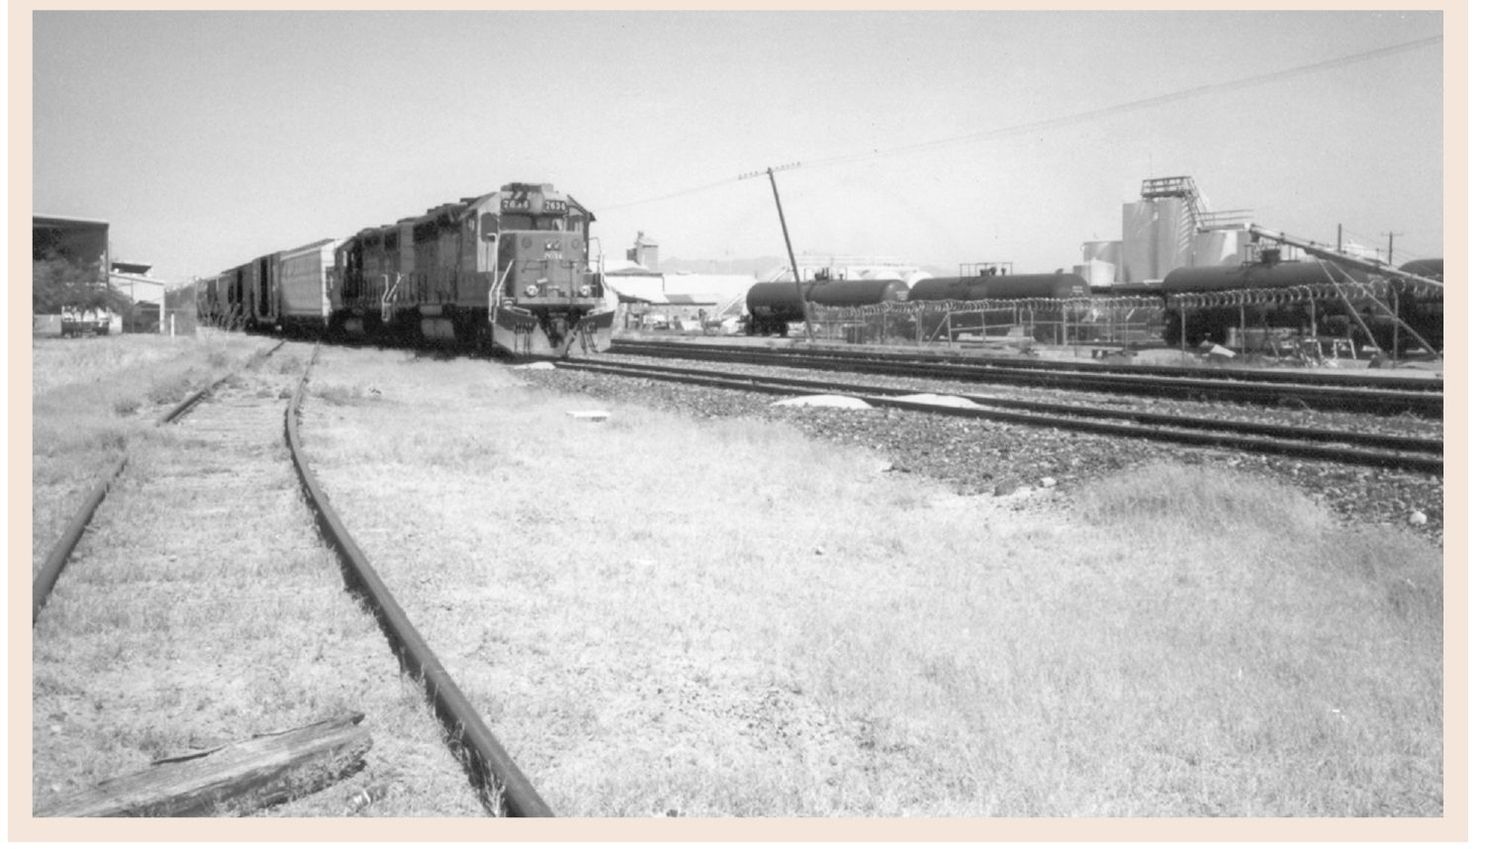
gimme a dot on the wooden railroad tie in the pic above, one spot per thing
(235, 779)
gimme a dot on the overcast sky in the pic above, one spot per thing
(207, 138)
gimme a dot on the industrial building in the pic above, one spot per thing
(1170, 226)
(84, 242)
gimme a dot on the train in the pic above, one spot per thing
(770, 307)
(1307, 298)
(1194, 305)
(506, 271)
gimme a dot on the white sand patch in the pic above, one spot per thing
(941, 400)
(841, 402)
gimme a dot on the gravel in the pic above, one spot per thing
(1008, 460)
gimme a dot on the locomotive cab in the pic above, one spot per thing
(546, 298)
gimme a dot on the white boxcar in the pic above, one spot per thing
(304, 286)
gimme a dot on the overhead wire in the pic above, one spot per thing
(1050, 123)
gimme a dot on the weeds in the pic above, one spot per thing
(1168, 647)
(339, 394)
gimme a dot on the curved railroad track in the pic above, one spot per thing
(489, 763)
(1320, 389)
(233, 473)
(1415, 453)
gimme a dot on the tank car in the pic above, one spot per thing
(770, 307)
(942, 320)
(1197, 323)
(509, 269)
(1425, 267)
(1420, 308)
(1192, 325)
(1000, 287)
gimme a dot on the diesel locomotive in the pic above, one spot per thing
(509, 270)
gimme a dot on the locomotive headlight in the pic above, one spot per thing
(584, 291)
(531, 291)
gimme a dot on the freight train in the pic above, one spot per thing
(1197, 304)
(509, 270)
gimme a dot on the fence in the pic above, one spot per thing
(1121, 321)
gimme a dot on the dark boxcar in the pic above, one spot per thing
(262, 294)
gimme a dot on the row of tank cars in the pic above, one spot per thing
(1197, 304)
(509, 271)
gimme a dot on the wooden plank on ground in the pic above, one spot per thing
(235, 779)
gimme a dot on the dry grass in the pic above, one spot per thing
(91, 397)
(727, 619)
(198, 614)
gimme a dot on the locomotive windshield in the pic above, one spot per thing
(529, 208)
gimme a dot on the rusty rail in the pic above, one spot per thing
(51, 568)
(489, 763)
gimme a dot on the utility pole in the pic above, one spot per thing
(795, 272)
(1391, 247)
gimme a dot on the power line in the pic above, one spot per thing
(1145, 103)
(1049, 123)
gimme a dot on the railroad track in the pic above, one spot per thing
(1321, 390)
(235, 494)
(1422, 454)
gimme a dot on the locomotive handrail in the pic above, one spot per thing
(496, 283)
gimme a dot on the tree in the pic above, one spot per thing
(58, 282)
